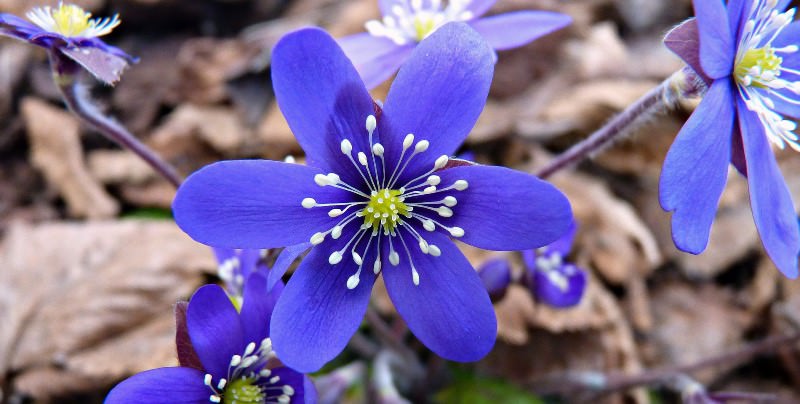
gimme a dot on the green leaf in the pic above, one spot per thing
(468, 388)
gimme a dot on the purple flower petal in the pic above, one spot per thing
(285, 259)
(323, 99)
(480, 7)
(103, 65)
(317, 314)
(162, 386)
(309, 391)
(510, 30)
(737, 16)
(695, 169)
(15, 27)
(563, 245)
(737, 150)
(561, 288)
(770, 200)
(215, 329)
(257, 306)
(495, 274)
(252, 204)
(504, 209)
(295, 380)
(717, 48)
(684, 41)
(437, 95)
(375, 58)
(449, 311)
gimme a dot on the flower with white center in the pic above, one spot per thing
(70, 31)
(377, 197)
(379, 52)
(551, 279)
(748, 58)
(228, 357)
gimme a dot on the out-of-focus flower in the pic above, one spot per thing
(550, 278)
(236, 360)
(748, 57)
(380, 51)
(375, 198)
(70, 31)
(496, 276)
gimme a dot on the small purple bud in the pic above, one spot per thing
(496, 276)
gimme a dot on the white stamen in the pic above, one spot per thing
(371, 123)
(377, 149)
(376, 267)
(309, 203)
(428, 225)
(441, 162)
(317, 238)
(434, 250)
(235, 361)
(409, 139)
(221, 384)
(456, 231)
(444, 211)
(357, 258)
(434, 180)
(336, 232)
(362, 158)
(394, 258)
(421, 146)
(215, 399)
(461, 185)
(415, 276)
(335, 212)
(207, 379)
(450, 201)
(335, 258)
(346, 147)
(352, 282)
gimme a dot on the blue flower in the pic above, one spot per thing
(495, 274)
(236, 265)
(378, 53)
(551, 279)
(749, 59)
(234, 351)
(376, 196)
(70, 31)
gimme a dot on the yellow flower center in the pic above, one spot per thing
(70, 20)
(384, 209)
(757, 66)
(242, 391)
(423, 26)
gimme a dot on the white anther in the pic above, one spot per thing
(423, 245)
(429, 225)
(421, 146)
(309, 203)
(321, 180)
(376, 267)
(287, 389)
(250, 348)
(371, 123)
(434, 250)
(264, 372)
(274, 379)
(353, 281)
(456, 231)
(429, 190)
(207, 379)
(444, 211)
(394, 258)
(336, 232)
(408, 141)
(357, 258)
(450, 201)
(235, 361)
(335, 212)
(215, 399)
(377, 149)
(434, 180)
(441, 162)
(787, 125)
(333, 178)
(461, 185)
(289, 159)
(317, 238)
(335, 258)
(414, 276)
(362, 158)
(346, 147)
(284, 399)
(221, 384)
(790, 49)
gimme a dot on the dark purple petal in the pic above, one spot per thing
(479, 7)
(563, 245)
(15, 27)
(375, 58)
(317, 314)
(504, 209)
(323, 99)
(717, 47)
(215, 329)
(257, 306)
(562, 287)
(770, 200)
(696, 168)
(495, 274)
(437, 95)
(737, 150)
(187, 357)
(253, 204)
(162, 386)
(449, 311)
(510, 30)
(285, 260)
(684, 41)
(288, 377)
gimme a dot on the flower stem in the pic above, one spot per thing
(683, 83)
(77, 101)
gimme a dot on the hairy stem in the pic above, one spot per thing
(78, 102)
(684, 83)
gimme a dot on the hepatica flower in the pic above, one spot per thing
(377, 196)
(233, 351)
(70, 31)
(551, 279)
(749, 58)
(388, 42)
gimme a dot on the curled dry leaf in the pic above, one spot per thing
(56, 151)
(72, 296)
